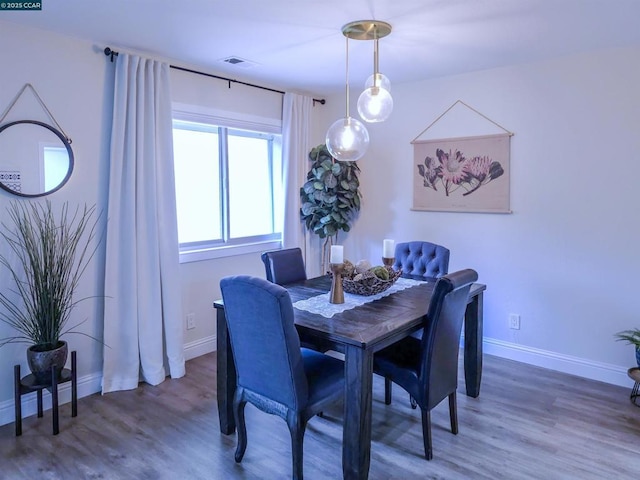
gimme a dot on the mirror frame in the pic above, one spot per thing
(65, 142)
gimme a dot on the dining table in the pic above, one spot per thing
(358, 329)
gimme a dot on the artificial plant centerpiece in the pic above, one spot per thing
(330, 197)
(46, 257)
(632, 337)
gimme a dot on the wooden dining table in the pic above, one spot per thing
(357, 333)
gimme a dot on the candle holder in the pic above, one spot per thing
(337, 294)
(388, 262)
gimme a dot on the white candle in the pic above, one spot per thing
(388, 248)
(337, 254)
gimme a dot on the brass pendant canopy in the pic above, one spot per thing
(366, 29)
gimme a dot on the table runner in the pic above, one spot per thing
(320, 303)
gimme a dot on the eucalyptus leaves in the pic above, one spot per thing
(330, 196)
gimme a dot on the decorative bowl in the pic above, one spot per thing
(370, 285)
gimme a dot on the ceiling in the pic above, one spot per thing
(298, 44)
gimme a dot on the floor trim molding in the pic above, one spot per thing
(199, 347)
(603, 372)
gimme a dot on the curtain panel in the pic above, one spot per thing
(296, 115)
(143, 333)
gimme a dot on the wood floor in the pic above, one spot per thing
(528, 423)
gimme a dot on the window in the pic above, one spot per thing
(228, 188)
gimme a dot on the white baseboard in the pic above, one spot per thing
(580, 367)
(199, 347)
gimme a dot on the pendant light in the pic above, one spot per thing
(375, 102)
(347, 139)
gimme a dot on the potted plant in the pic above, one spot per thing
(632, 337)
(330, 196)
(46, 258)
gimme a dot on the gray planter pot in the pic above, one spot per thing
(41, 358)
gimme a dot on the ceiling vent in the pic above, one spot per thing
(239, 62)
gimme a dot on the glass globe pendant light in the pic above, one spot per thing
(347, 139)
(380, 79)
(375, 102)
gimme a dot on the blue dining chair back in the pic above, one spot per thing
(424, 259)
(284, 266)
(273, 372)
(427, 367)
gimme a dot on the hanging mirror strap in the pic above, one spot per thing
(44, 107)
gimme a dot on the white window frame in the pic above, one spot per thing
(231, 121)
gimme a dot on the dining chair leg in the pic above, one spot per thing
(296, 429)
(453, 413)
(241, 427)
(426, 434)
(387, 391)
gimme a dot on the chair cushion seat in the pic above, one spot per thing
(400, 361)
(325, 375)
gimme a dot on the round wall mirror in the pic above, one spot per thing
(35, 158)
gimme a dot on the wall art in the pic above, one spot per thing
(465, 174)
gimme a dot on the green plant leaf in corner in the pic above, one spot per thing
(330, 195)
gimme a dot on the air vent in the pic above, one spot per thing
(239, 62)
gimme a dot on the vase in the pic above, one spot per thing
(42, 357)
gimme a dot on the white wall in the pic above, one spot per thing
(566, 258)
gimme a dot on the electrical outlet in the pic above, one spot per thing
(191, 321)
(514, 321)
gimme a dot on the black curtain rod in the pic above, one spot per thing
(110, 53)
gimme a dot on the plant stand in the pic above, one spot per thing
(28, 384)
(634, 374)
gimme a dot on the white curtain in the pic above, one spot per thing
(142, 317)
(296, 119)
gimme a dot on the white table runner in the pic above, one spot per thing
(320, 303)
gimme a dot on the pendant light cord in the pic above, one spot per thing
(375, 62)
(347, 77)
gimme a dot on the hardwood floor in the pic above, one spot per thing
(528, 423)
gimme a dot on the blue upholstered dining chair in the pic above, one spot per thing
(425, 259)
(427, 368)
(273, 372)
(284, 266)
